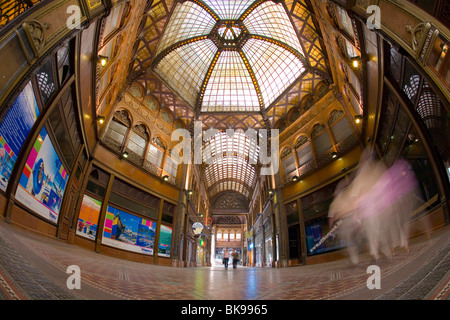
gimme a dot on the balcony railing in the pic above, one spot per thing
(11, 9)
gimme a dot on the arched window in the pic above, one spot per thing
(117, 130)
(304, 152)
(288, 160)
(171, 165)
(321, 139)
(339, 125)
(232, 235)
(137, 143)
(156, 152)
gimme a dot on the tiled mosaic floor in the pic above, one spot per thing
(34, 267)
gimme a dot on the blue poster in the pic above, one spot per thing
(43, 180)
(14, 129)
(127, 231)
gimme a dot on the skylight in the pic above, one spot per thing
(229, 56)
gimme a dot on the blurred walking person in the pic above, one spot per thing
(235, 256)
(226, 258)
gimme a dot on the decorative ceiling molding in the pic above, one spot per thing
(230, 201)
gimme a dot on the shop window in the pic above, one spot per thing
(63, 60)
(439, 59)
(46, 81)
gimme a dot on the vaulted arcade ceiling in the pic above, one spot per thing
(232, 64)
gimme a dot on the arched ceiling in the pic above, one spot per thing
(231, 64)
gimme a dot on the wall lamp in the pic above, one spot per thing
(103, 60)
(334, 155)
(271, 192)
(355, 62)
(125, 155)
(101, 119)
(165, 178)
(296, 178)
(189, 192)
(358, 118)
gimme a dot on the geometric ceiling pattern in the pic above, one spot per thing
(227, 21)
(231, 64)
(229, 56)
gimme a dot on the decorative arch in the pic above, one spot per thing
(301, 140)
(230, 201)
(151, 103)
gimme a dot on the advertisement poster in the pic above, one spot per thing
(88, 217)
(43, 181)
(165, 241)
(128, 232)
(313, 236)
(14, 129)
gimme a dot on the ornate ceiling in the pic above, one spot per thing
(232, 65)
(186, 49)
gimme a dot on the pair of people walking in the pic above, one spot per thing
(226, 258)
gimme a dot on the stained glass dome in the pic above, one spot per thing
(228, 55)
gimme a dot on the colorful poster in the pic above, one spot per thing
(88, 217)
(14, 129)
(128, 232)
(165, 241)
(43, 181)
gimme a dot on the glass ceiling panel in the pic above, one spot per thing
(230, 167)
(271, 20)
(228, 9)
(230, 87)
(228, 156)
(238, 144)
(188, 20)
(275, 68)
(184, 68)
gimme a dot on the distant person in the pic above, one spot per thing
(235, 256)
(226, 258)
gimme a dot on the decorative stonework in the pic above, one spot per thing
(231, 200)
(36, 31)
(418, 34)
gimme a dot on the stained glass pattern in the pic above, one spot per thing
(230, 87)
(189, 21)
(275, 68)
(184, 68)
(271, 20)
(229, 9)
